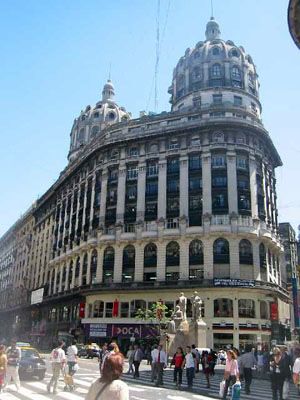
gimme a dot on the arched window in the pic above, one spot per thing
(236, 73)
(223, 308)
(218, 137)
(216, 71)
(77, 271)
(108, 264)
(98, 308)
(196, 252)
(215, 51)
(172, 254)
(128, 263)
(93, 267)
(111, 116)
(246, 254)
(81, 135)
(246, 308)
(95, 130)
(96, 115)
(221, 251)
(264, 311)
(84, 269)
(234, 53)
(196, 74)
(150, 262)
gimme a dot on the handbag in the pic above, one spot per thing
(285, 389)
(101, 390)
(222, 388)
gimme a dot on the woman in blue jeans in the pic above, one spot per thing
(190, 364)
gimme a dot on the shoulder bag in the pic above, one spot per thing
(102, 390)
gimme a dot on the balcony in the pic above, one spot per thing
(172, 223)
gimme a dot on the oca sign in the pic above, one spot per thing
(126, 330)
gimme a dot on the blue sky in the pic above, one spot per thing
(55, 58)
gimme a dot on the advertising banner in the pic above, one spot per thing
(37, 296)
(98, 330)
(274, 311)
(234, 283)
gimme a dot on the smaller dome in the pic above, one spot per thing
(108, 92)
(212, 30)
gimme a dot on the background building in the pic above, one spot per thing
(184, 200)
(294, 20)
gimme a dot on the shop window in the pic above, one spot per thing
(98, 309)
(223, 340)
(124, 313)
(246, 308)
(223, 308)
(108, 309)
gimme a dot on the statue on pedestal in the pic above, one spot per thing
(196, 307)
(182, 305)
(176, 320)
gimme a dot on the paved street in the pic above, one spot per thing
(141, 389)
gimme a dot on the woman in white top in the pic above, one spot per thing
(109, 386)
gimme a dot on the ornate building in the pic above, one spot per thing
(182, 200)
(294, 20)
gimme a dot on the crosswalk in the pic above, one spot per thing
(140, 389)
(260, 389)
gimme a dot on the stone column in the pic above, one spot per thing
(184, 186)
(84, 205)
(92, 200)
(234, 259)
(67, 285)
(121, 193)
(103, 196)
(77, 209)
(206, 182)
(208, 258)
(73, 273)
(184, 272)
(161, 261)
(71, 214)
(253, 186)
(141, 190)
(118, 267)
(256, 261)
(232, 182)
(50, 282)
(55, 288)
(99, 272)
(139, 263)
(162, 188)
(60, 268)
(65, 217)
(88, 273)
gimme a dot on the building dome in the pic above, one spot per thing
(215, 66)
(93, 120)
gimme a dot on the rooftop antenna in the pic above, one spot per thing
(212, 8)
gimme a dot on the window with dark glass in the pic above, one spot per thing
(108, 309)
(151, 188)
(150, 255)
(131, 192)
(217, 98)
(124, 309)
(216, 71)
(172, 254)
(173, 205)
(218, 161)
(195, 203)
(246, 308)
(196, 252)
(136, 305)
(195, 183)
(98, 309)
(195, 162)
(237, 101)
(152, 169)
(219, 181)
(262, 256)
(244, 202)
(132, 172)
(150, 211)
(243, 183)
(173, 165)
(223, 308)
(219, 201)
(264, 310)
(245, 249)
(221, 251)
(128, 263)
(242, 162)
(173, 185)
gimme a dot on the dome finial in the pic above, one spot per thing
(108, 92)
(212, 9)
(212, 29)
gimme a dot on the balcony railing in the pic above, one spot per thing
(172, 223)
(220, 220)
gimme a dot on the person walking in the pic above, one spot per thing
(13, 354)
(3, 366)
(260, 364)
(58, 360)
(109, 386)
(246, 362)
(279, 371)
(177, 361)
(231, 373)
(153, 365)
(190, 364)
(197, 357)
(206, 361)
(129, 355)
(72, 352)
(161, 362)
(137, 358)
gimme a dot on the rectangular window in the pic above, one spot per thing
(151, 188)
(131, 192)
(242, 163)
(195, 203)
(197, 100)
(219, 181)
(152, 169)
(132, 172)
(253, 108)
(173, 186)
(218, 161)
(219, 201)
(124, 310)
(173, 204)
(237, 100)
(195, 183)
(173, 165)
(108, 310)
(195, 162)
(217, 99)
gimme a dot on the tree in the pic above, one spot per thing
(157, 314)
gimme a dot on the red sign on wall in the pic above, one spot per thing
(81, 310)
(274, 311)
(115, 310)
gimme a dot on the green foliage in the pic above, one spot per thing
(158, 313)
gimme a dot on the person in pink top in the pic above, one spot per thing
(231, 373)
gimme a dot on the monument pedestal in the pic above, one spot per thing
(197, 334)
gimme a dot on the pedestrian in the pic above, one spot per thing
(111, 348)
(197, 357)
(13, 354)
(288, 371)
(177, 361)
(231, 373)
(137, 358)
(296, 367)
(58, 361)
(190, 364)
(72, 360)
(213, 361)
(246, 362)
(279, 371)
(3, 366)
(153, 365)
(260, 364)
(206, 366)
(161, 362)
(129, 355)
(109, 386)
